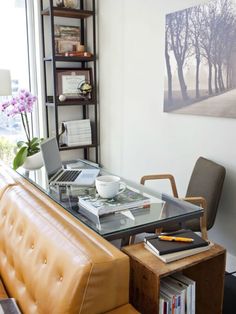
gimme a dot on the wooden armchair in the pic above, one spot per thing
(204, 189)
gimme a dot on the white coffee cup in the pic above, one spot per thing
(109, 186)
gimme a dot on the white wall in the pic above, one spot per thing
(136, 136)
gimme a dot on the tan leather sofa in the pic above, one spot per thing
(52, 263)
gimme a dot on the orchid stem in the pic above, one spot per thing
(27, 123)
(25, 127)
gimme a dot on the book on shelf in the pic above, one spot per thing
(172, 299)
(9, 306)
(161, 247)
(190, 286)
(68, 142)
(73, 138)
(163, 304)
(76, 132)
(126, 200)
(82, 133)
(77, 127)
(177, 294)
(179, 290)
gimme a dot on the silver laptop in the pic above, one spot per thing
(57, 175)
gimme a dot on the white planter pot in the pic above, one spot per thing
(33, 162)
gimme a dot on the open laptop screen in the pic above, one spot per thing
(51, 156)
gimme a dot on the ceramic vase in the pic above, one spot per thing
(33, 162)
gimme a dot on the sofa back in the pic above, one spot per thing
(52, 263)
(7, 178)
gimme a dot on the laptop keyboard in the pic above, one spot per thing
(69, 176)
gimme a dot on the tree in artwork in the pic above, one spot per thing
(200, 54)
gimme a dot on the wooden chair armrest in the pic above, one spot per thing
(197, 200)
(162, 177)
(200, 201)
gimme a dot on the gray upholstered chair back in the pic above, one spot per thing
(206, 181)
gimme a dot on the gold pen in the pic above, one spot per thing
(176, 239)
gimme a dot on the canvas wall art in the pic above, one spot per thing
(200, 59)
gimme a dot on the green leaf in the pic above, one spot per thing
(33, 151)
(35, 145)
(20, 144)
(34, 141)
(20, 157)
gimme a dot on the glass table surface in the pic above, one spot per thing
(162, 210)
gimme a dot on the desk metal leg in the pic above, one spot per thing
(126, 240)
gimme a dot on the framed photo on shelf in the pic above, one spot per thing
(69, 82)
(67, 38)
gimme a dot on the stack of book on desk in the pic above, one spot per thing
(97, 206)
(77, 133)
(169, 251)
(177, 295)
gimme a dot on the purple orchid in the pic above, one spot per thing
(22, 104)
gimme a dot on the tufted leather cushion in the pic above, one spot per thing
(52, 263)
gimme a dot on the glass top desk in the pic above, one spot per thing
(162, 211)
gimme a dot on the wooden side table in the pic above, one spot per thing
(206, 268)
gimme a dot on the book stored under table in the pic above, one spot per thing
(206, 268)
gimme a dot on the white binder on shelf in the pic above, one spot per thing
(77, 132)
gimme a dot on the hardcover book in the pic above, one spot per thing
(126, 200)
(161, 247)
(171, 257)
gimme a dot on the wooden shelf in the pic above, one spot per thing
(70, 102)
(76, 147)
(53, 61)
(70, 59)
(206, 268)
(71, 13)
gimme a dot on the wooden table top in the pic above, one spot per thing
(154, 264)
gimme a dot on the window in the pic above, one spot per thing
(13, 56)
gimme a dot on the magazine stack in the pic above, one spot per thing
(100, 206)
(177, 295)
(77, 133)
